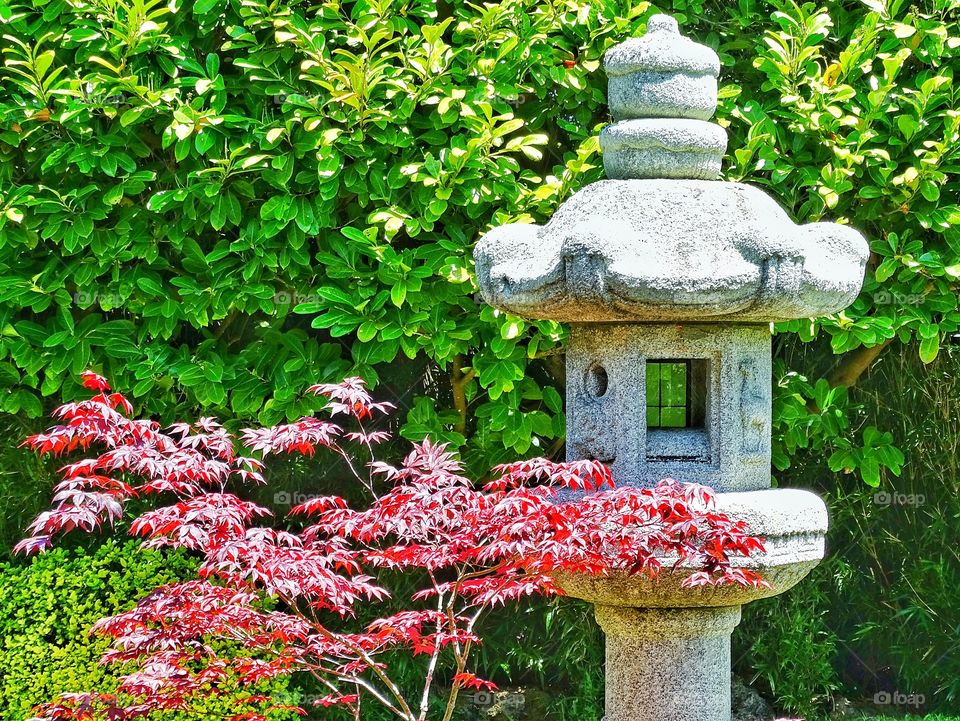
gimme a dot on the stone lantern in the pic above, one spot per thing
(669, 279)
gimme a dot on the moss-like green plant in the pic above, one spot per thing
(47, 607)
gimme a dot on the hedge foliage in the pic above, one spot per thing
(47, 608)
(217, 201)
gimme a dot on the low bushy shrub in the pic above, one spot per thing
(47, 607)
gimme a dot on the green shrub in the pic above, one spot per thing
(895, 596)
(879, 615)
(47, 608)
(215, 201)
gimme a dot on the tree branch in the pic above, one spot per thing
(458, 383)
(852, 365)
(554, 363)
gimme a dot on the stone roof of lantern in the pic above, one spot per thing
(663, 239)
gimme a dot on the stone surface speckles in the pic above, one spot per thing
(671, 250)
(730, 453)
(656, 148)
(662, 75)
(747, 704)
(663, 95)
(662, 89)
(793, 524)
(667, 664)
(667, 647)
(661, 49)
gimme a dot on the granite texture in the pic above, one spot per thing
(667, 664)
(731, 452)
(748, 705)
(662, 240)
(663, 262)
(662, 75)
(670, 250)
(662, 95)
(657, 148)
(661, 49)
(668, 647)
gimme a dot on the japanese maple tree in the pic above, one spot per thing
(286, 598)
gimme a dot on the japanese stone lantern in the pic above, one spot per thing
(669, 279)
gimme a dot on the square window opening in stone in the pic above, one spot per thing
(676, 407)
(677, 393)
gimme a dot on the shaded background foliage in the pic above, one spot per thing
(217, 203)
(880, 614)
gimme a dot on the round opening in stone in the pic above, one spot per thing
(597, 381)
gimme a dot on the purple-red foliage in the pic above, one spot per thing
(476, 548)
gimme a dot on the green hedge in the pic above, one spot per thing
(47, 608)
(216, 202)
